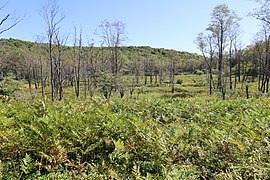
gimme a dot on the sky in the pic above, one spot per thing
(170, 24)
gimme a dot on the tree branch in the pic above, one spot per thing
(4, 25)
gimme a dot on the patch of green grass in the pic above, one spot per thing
(191, 137)
(153, 135)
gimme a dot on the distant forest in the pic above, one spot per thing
(111, 65)
(91, 65)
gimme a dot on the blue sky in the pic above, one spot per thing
(171, 24)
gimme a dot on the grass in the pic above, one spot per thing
(156, 135)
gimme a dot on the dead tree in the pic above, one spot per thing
(60, 43)
(172, 68)
(113, 35)
(52, 16)
(77, 62)
(206, 45)
(9, 21)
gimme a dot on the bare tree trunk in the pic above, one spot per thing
(50, 13)
(239, 69)
(151, 76)
(74, 79)
(35, 77)
(260, 76)
(223, 91)
(235, 80)
(219, 85)
(145, 79)
(137, 76)
(156, 75)
(42, 82)
(60, 71)
(29, 79)
(172, 71)
(145, 72)
(85, 88)
(247, 92)
(205, 44)
(230, 69)
(79, 66)
(160, 77)
(52, 68)
(210, 81)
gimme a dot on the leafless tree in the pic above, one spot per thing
(91, 68)
(52, 16)
(265, 45)
(263, 12)
(43, 74)
(113, 35)
(77, 61)
(172, 69)
(234, 36)
(60, 44)
(134, 66)
(206, 45)
(8, 21)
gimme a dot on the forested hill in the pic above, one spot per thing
(16, 53)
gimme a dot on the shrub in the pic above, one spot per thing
(198, 72)
(175, 138)
(179, 81)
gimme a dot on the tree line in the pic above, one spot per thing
(223, 51)
(110, 67)
(50, 62)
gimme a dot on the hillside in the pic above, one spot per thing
(143, 122)
(14, 51)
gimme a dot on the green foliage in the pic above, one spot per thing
(156, 139)
(179, 81)
(27, 165)
(8, 88)
(15, 52)
(198, 72)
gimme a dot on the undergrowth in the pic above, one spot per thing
(192, 138)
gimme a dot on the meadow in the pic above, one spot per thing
(152, 135)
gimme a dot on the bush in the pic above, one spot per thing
(179, 81)
(198, 72)
(175, 138)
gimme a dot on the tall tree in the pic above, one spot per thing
(222, 21)
(60, 44)
(42, 65)
(206, 45)
(52, 16)
(263, 12)
(266, 59)
(172, 68)
(91, 68)
(234, 36)
(77, 62)
(113, 35)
